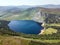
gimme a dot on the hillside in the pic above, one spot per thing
(26, 13)
(21, 15)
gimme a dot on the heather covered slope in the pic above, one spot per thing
(16, 40)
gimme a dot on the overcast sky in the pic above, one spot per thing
(28, 2)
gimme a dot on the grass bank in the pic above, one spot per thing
(16, 40)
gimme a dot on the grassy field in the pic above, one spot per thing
(49, 31)
(54, 24)
(16, 40)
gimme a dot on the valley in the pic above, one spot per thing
(29, 19)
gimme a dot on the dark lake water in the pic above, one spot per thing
(25, 26)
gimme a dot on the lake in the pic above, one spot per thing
(25, 26)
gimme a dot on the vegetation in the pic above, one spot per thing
(52, 18)
(50, 31)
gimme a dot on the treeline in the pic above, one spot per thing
(7, 31)
(43, 37)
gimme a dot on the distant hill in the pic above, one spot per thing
(50, 6)
(25, 12)
(17, 13)
(12, 9)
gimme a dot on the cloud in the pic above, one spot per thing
(28, 2)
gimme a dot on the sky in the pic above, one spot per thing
(28, 2)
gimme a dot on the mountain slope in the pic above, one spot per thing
(20, 15)
(29, 13)
(50, 6)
